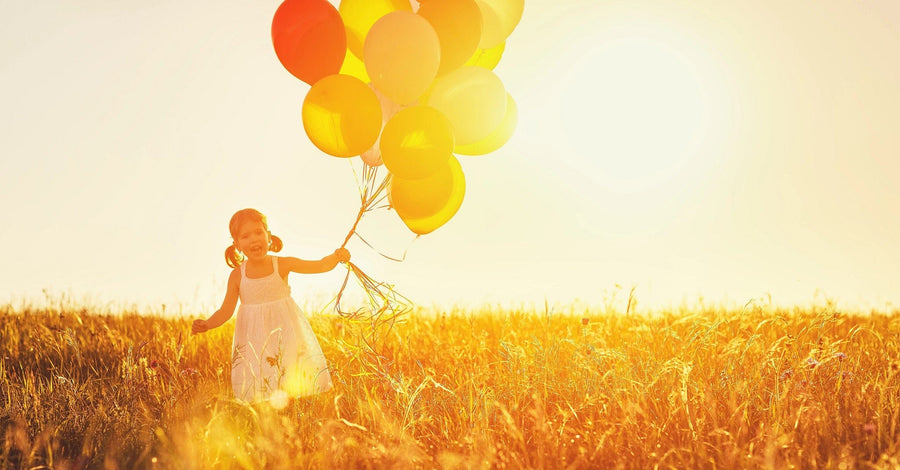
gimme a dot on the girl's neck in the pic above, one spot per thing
(258, 262)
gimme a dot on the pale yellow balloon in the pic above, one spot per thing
(388, 107)
(372, 156)
(458, 26)
(435, 219)
(402, 55)
(360, 15)
(487, 58)
(473, 99)
(354, 67)
(498, 137)
(500, 18)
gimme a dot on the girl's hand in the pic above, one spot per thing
(199, 326)
(342, 255)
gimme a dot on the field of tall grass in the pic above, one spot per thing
(758, 387)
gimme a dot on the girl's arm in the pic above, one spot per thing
(297, 265)
(226, 310)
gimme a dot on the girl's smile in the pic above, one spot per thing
(253, 239)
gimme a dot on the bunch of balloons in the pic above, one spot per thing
(404, 83)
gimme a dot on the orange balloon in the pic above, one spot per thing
(473, 99)
(498, 137)
(458, 26)
(416, 142)
(341, 115)
(427, 204)
(500, 19)
(402, 55)
(309, 38)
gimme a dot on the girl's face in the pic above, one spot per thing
(253, 240)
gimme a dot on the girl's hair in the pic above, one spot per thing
(232, 256)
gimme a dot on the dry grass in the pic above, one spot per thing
(752, 388)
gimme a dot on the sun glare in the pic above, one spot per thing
(634, 108)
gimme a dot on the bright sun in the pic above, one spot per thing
(634, 109)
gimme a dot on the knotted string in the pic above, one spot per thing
(385, 304)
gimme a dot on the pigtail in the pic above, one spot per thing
(232, 257)
(276, 244)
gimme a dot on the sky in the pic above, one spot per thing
(685, 151)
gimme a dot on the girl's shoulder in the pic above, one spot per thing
(281, 264)
(283, 259)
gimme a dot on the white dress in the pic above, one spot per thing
(274, 349)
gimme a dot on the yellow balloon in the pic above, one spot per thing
(354, 67)
(473, 99)
(360, 15)
(402, 54)
(341, 115)
(498, 137)
(416, 142)
(500, 18)
(458, 26)
(435, 217)
(423, 197)
(487, 58)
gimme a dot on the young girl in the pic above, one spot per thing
(274, 352)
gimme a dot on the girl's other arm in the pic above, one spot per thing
(325, 264)
(226, 310)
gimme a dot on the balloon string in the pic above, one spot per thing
(385, 302)
(399, 260)
(365, 188)
(353, 228)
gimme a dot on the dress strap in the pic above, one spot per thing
(244, 268)
(275, 265)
